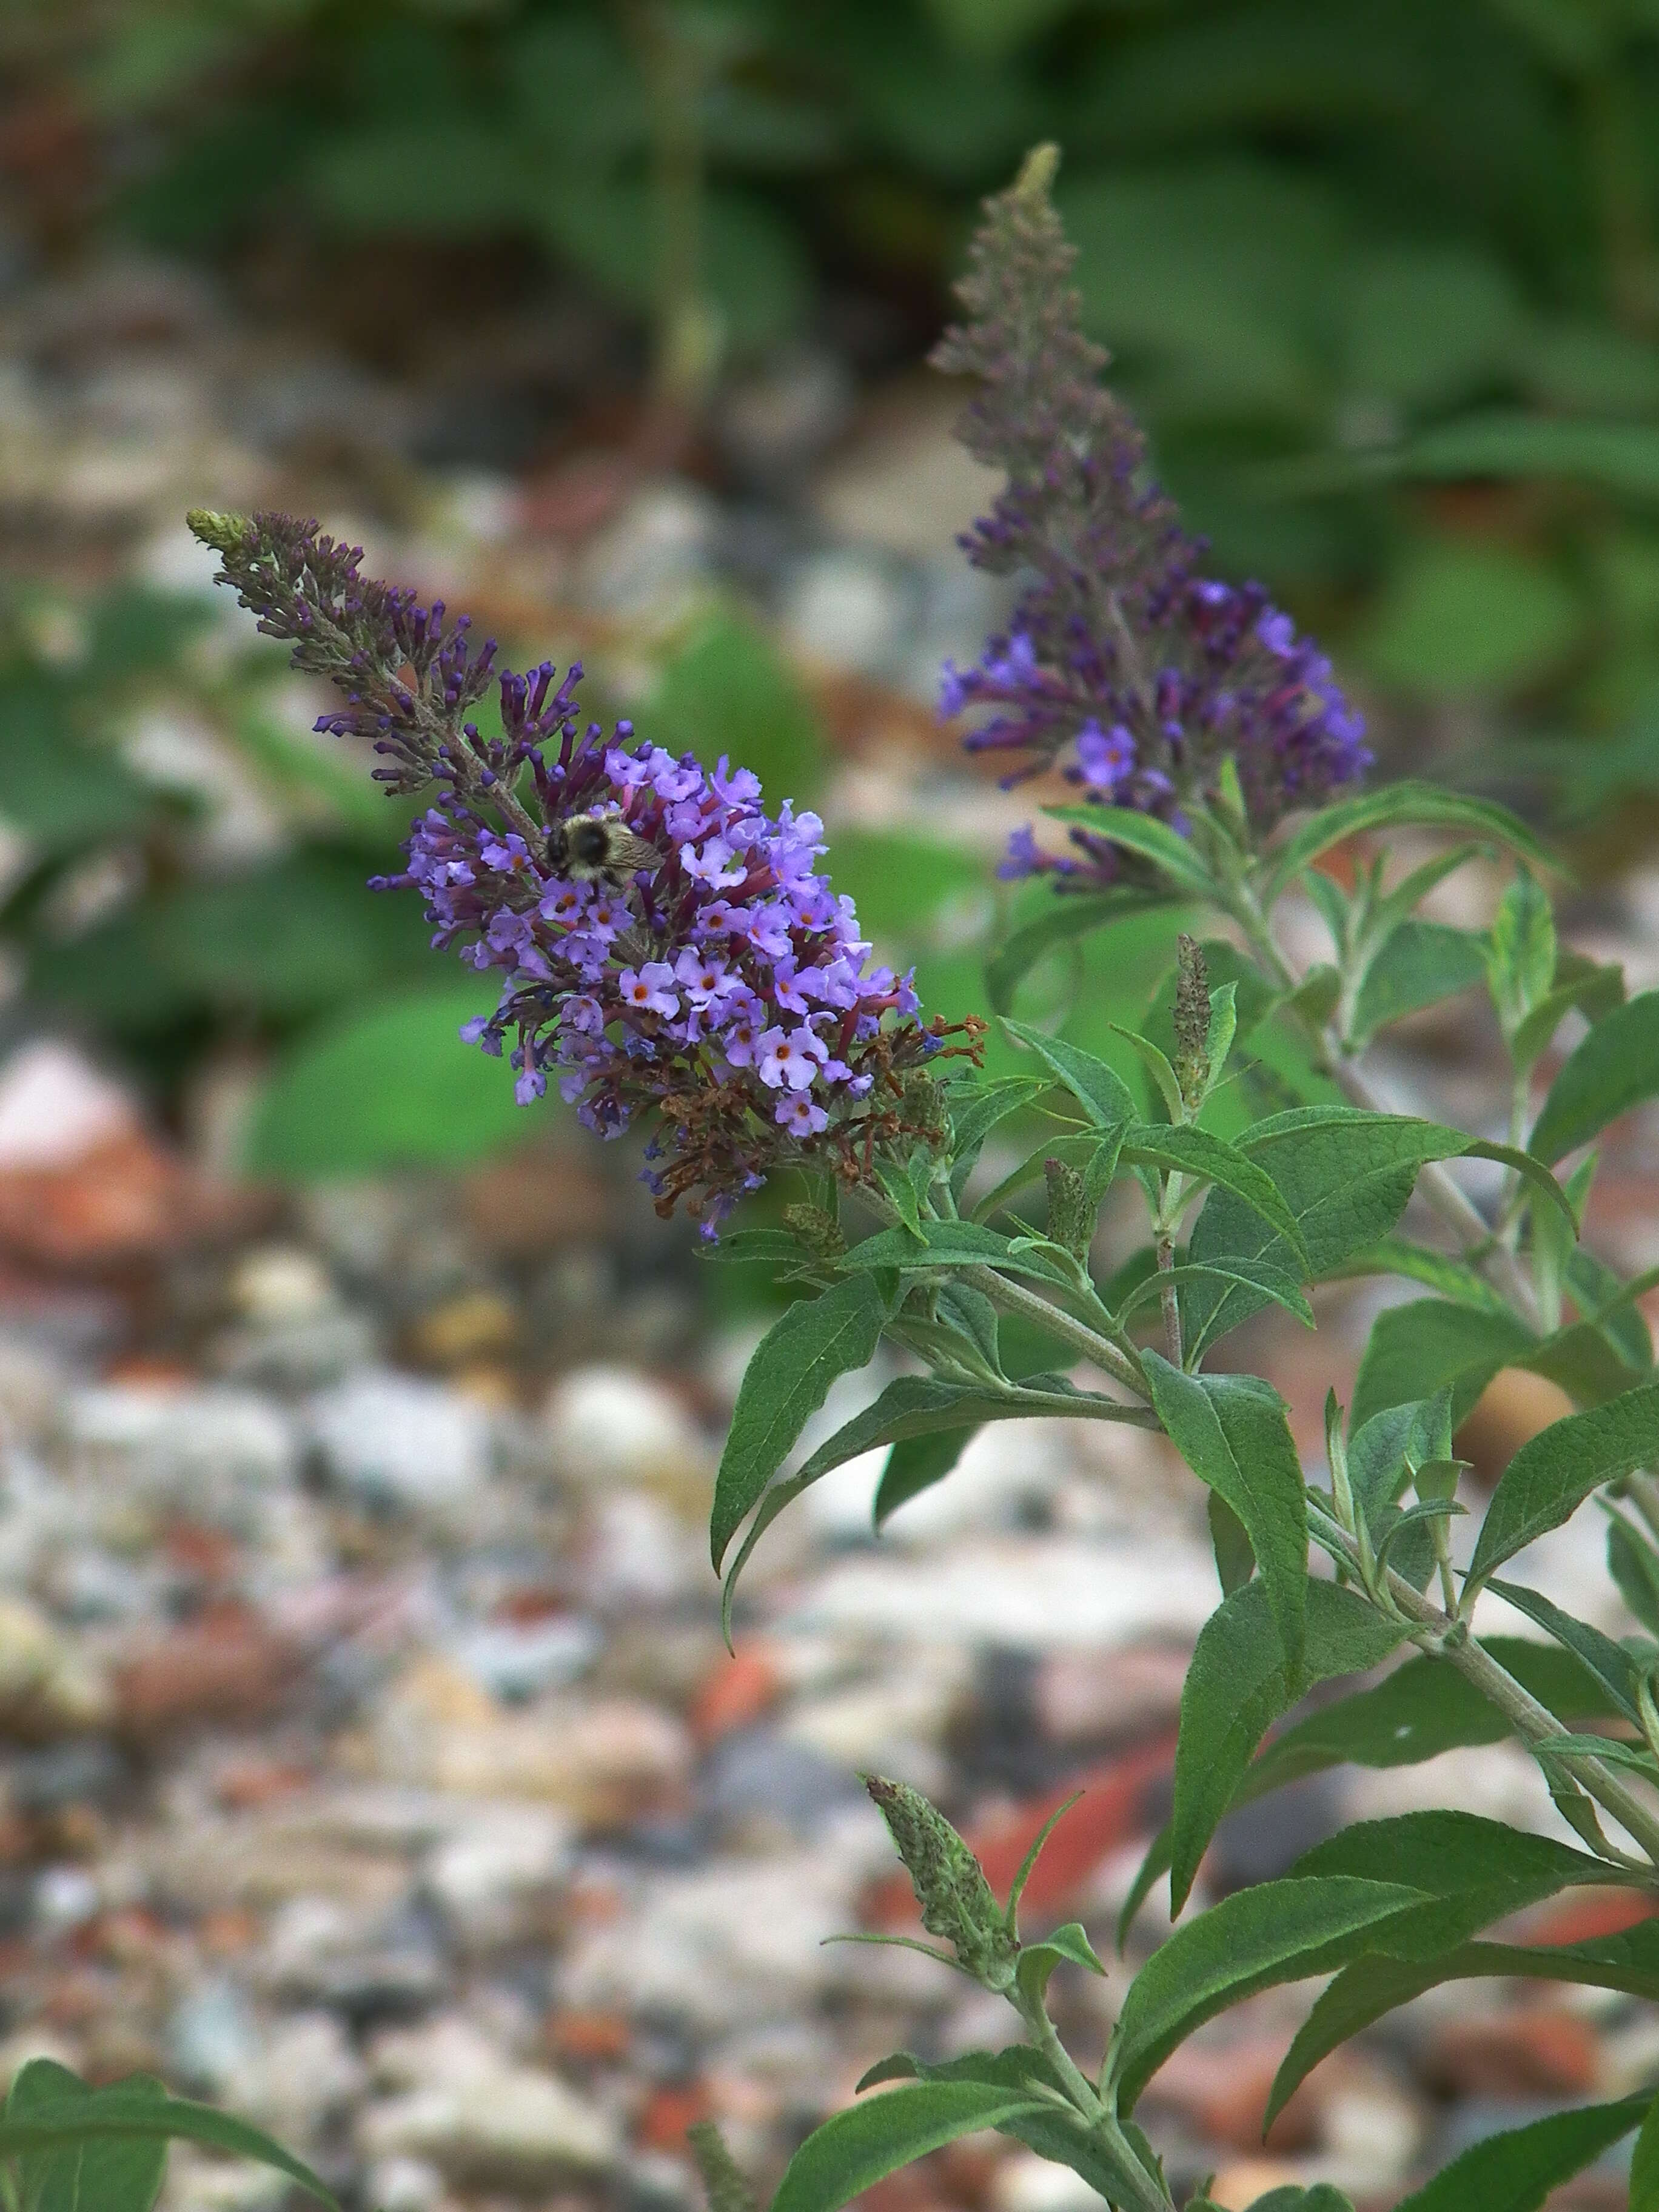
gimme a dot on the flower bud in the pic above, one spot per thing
(817, 1230)
(1192, 1023)
(723, 2183)
(1070, 1217)
(957, 1901)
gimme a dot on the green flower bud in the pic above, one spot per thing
(224, 533)
(956, 1902)
(818, 1230)
(1070, 1217)
(723, 2183)
(1192, 1023)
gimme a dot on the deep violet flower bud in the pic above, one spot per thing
(1123, 665)
(708, 977)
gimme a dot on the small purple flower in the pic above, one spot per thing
(564, 903)
(735, 787)
(1105, 758)
(799, 1115)
(705, 980)
(716, 863)
(790, 1058)
(646, 990)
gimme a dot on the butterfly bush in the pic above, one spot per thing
(1124, 665)
(722, 987)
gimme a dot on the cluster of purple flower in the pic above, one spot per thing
(712, 977)
(730, 965)
(1124, 667)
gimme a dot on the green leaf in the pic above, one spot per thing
(1156, 1066)
(776, 1248)
(1059, 922)
(951, 1244)
(1521, 962)
(729, 690)
(1038, 1961)
(1644, 2164)
(915, 1406)
(1231, 1431)
(1634, 1566)
(131, 2114)
(1144, 833)
(1434, 1344)
(1473, 1871)
(1452, 1278)
(1514, 2171)
(96, 2176)
(1550, 1476)
(1049, 2128)
(1346, 1173)
(1257, 1939)
(785, 1382)
(1612, 1069)
(1466, 617)
(1421, 963)
(1602, 1299)
(1237, 1686)
(974, 1113)
(336, 1105)
(1099, 1089)
(915, 1464)
(1194, 1152)
(1608, 1663)
(1417, 1712)
(1593, 989)
(1609, 1749)
(857, 2147)
(1622, 458)
(1374, 1986)
(1280, 1284)
(1425, 805)
(1422, 1709)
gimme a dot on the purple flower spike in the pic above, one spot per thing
(720, 985)
(1123, 664)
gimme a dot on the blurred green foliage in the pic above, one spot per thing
(1382, 280)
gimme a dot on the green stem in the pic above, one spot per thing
(1442, 1635)
(1458, 1213)
(1011, 1298)
(1148, 2196)
(1170, 1299)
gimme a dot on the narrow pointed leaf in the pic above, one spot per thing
(1194, 1152)
(1514, 2171)
(1613, 1068)
(1099, 1089)
(915, 1464)
(1551, 1476)
(135, 2115)
(1374, 1986)
(1426, 804)
(1237, 1686)
(783, 1386)
(1231, 1431)
(862, 2145)
(1276, 1932)
(1144, 833)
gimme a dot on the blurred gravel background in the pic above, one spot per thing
(369, 1758)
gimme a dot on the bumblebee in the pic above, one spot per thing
(598, 849)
